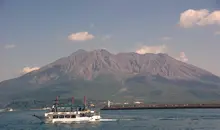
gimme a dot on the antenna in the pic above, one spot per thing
(85, 100)
(72, 103)
(57, 100)
(72, 100)
(56, 104)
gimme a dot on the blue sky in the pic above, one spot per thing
(35, 33)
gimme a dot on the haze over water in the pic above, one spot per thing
(185, 119)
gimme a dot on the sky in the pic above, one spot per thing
(36, 33)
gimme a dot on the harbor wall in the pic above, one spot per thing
(160, 106)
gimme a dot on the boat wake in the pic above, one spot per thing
(102, 120)
(109, 120)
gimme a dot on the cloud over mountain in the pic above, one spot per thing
(182, 57)
(80, 36)
(29, 69)
(151, 49)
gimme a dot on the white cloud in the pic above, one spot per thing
(80, 36)
(182, 57)
(161, 49)
(151, 49)
(29, 69)
(212, 18)
(217, 33)
(203, 17)
(166, 38)
(9, 46)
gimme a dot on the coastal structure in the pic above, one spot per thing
(161, 106)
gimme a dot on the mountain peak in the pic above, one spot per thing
(90, 64)
(101, 50)
(130, 70)
(80, 51)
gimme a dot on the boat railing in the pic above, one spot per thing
(97, 113)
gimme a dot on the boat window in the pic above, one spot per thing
(73, 116)
(89, 114)
(82, 115)
(61, 116)
(67, 116)
(55, 116)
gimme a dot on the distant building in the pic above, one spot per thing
(109, 103)
(137, 102)
(92, 105)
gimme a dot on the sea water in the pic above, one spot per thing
(178, 119)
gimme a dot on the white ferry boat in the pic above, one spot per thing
(69, 114)
(9, 109)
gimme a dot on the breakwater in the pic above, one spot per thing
(161, 106)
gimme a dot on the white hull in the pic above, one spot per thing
(70, 120)
(10, 110)
(73, 120)
(77, 117)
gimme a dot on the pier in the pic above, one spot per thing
(161, 106)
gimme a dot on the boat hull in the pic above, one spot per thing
(73, 120)
(94, 118)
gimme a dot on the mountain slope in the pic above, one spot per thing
(102, 75)
(88, 65)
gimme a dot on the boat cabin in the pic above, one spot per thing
(63, 116)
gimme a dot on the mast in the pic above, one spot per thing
(56, 104)
(57, 100)
(72, 103)
(85, 101)
(72, 100)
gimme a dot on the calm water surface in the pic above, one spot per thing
(187, 119)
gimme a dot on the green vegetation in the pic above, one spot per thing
(106, 87)
(36, 104)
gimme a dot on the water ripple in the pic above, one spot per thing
(123, 120)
